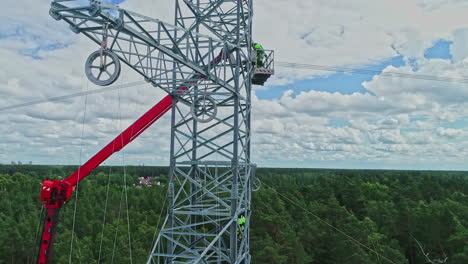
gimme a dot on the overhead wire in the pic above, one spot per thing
(68, 96)
(278, 64)
(352, 239)
(370, 72)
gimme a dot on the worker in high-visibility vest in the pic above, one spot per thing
(260, 54)
(241, 222)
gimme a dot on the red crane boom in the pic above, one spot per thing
(55, 193)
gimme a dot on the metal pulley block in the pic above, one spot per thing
(257, 185)
(102, 67)
(204, 108)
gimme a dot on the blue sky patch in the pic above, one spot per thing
(35, 52)
(440, 50)
(114, 2)
(12, 30)
(338, 123)
(458, 124)
(20, 33)
(344, 83)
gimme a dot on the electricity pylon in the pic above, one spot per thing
(211, 171)
(204, 62)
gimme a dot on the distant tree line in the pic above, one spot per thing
(299, 216)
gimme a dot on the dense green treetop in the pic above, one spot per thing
(318, 216)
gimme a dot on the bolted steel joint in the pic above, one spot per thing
(75, 29)
(55, 15)
(95, 10)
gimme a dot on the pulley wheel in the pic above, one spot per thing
(204, 109)
(256, 185)
(102, 67)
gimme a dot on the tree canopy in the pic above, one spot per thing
(299, 216)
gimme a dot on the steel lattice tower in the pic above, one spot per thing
(204, 62)
(211, 171)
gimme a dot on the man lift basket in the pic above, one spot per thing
(264, 64)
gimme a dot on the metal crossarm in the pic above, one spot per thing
(153, 48)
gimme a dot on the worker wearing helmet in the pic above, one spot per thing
(241, 222)
(260, 54)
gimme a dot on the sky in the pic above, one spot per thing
(301, 118)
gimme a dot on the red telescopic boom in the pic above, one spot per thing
(55, 193)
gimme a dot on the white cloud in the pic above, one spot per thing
(396, 124)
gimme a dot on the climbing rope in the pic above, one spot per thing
(128, 217)
(117, 226)
(125, 181)
(159, 221)
(105, 214)
(77, 182)
(117, 116)
(41, 216)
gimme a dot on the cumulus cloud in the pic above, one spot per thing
(398, 123)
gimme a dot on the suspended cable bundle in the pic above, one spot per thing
(370, 72)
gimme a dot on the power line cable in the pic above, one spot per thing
(64, 97)
(278, 64)
(355, 241)
(371, 72)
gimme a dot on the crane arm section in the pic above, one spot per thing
(127, 136)
(55, 193)
(164, 54)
